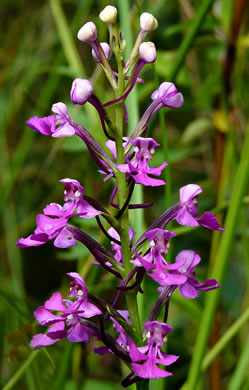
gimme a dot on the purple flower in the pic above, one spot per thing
(53, 223)
(68, 323)
(74, 192)
(187, 215)
(152, 353)
(182, 274)
(47, 124)
(159, 244)
(168, 95)
(81, 91)
(139, 169)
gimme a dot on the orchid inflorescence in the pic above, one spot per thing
(127, 258)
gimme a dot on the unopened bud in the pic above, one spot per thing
(147, 52)
(81, 91)
(106, 49)
(88, 32)
(148, 22)
(109, 14)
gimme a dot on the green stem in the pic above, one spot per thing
(143, 384)
(131, 296)
(240, 370)
(225, 339)
(239, 188)
(21, 371)
(65, 34)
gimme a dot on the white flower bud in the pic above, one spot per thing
(109, 14)
(148, 22)
(81, 91)
(88, 32)
(106, 49)
(147, 52)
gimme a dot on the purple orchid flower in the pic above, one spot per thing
(47, 125)
(159, 244)
(81, 91)
(182, 275)
(68, 323)
(139, 169)
(165, 96)
(53, 223)
(168, 96)
(152, 353)
(187, 214)
(74, 192)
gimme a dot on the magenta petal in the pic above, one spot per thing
(188, 291)
(175, 266)
(189, 192)
(210, 284)
(78, 333)
(57, 330)
(53, 209)
(65, 130)
(123, 167)
(142, 178)
(86, 210)
(209, 221)
(149, 370)
(185, 218)
(134, 353)
(90, 310)
(49, 225)
(176, 279)
(45, 125)
(32, 240)
(55, 303)
(45, 317)
(65, 239)
(174, 101)
(166, 359)
(42, 340)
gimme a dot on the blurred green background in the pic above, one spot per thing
(203, 46)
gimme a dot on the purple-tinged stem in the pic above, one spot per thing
(110, 342)
(92, 145)
(163, 297)
(138, 67)
(94, 102)
(114, 192)
(121, 211)
(105, 232)
(162, 221)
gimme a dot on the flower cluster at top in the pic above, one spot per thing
(127, 258)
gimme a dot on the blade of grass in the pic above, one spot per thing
(66, 39)
(21, 371)
(240, 185)
(224, 340)
(240, 370)
(189, 38)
